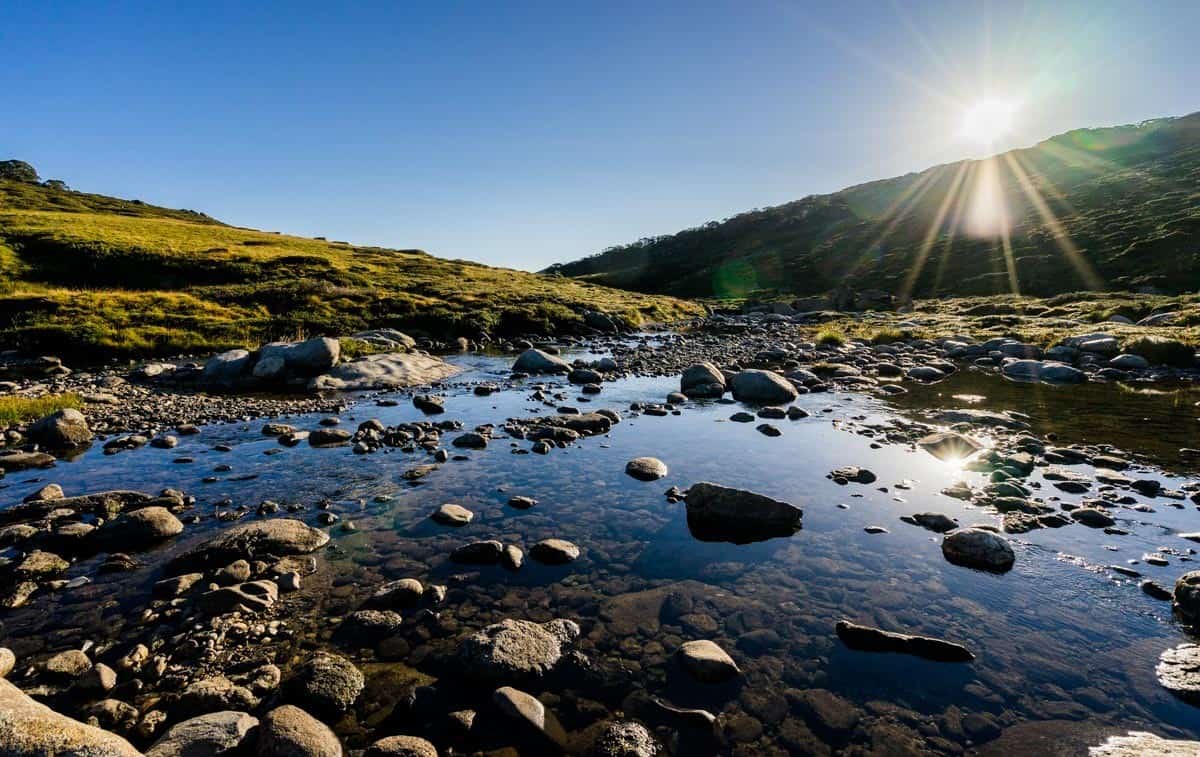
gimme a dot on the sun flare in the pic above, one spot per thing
(989, 119)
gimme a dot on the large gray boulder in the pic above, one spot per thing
(1042, 370)
(28, 729)
(1186, 599)
(738, 507)
(217, 733)
(140, 528)
(385, 371)
(765, 387)
(226, 370)
(278, 538)
(536, 361)
(65, 429)
(702, 380)
(306, 359)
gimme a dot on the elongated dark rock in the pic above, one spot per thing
(867, 639)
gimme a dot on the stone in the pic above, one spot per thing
(478, 553)
(429, 404)
(536, 361)
(278, 537)
(1093, 517)
(977, 548)
(305, 359)
(140, 528)
(706, 661)
(68, 665)
(8, 661)
(65, 429)
(401, 746)
(28, 728)
(515, 650)
(554, 551)
(327, 683)
(14, 461)
(214, 694)
(217, 733)
(47, 492)
(368, 627)
(41, 564)
(865, 638)
(1186, 602)
(450, 514)
(520, 706)
(1143, 744)
(249, 597)
(739, 507)
(759, 386)
(625, 739)
(227, 369)
(948, 445)
(328, 437)
(854, 474)
(288, 731)
(936, 522)
(646, 468)
(404, 592)
(386, 370)
(825, 711)
(1178, 671)
(470, 440)
(702, 380)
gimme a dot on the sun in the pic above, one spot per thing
(989, 119)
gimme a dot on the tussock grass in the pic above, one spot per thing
(831, 337)
(15, 410)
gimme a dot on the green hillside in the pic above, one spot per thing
(1113, 208)
(96, 276)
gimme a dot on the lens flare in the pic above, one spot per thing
(988, 120)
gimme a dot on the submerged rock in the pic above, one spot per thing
(977, 548)
(866, 638)
(279, 537)
(707, 662)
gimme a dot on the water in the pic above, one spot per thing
(1058, 638)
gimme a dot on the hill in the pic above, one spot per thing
(95, 276)
(1111, 208)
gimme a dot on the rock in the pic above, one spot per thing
(1143, 744)
(738, 507)
(328, 437)
(8, 661)
(1186, 601)
(41, 564)
(759, 386)
(646, 468)
(554, 551)
(14, 461)
(369, 627)
(226, 370)
(217, 733)
(401, 746)
(702, 380)
(706, 661)
(305, 359)
(327, 683)
(584, 376)
(515, 650)
(826, 711)
(249, 597)
(470, 440)
(46, 493)
(1128, 362)
(429, 404)
(288, 731)
(520, 706)
(948, 445)
(478, 553)
(214, 695)
(65, 429)
(852, 473)
(513, 558)
(1038, 370)
(521, 502)
(625, 739)
(402, 593)
(452, 515)
(977, 548)
(28, 728)
(68, 665)
(388, 370)
(278, 537)
(936, 522)
(140, 528)
(1093, 517)
(1178, 671)
(536, 361)
(865, 638)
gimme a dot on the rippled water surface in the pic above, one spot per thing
(1058, 638)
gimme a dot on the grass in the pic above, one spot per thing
(92, 276)
(831, 337)
(15, 410)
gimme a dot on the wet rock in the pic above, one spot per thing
(759, 386)
(327, 683)
(948, 445)
(478, 553)
(279, 537)
(702, 380)
(825, 711)
(977, 548)
(1178, 671)
(470, 440)
(1092, 517)
(14, 461)
(521, 502)
(401, 746)
(30, 728)
(513, 558)
(41, 564)
(706, 661)
(140, 528)
(249, 597)
(520, 706)
(429, 404)
(328, 437)
(1143, 744)
(288, 731)
(1187, 597)
(854, 474)
(65, 429)
(515, 650)
(738, 507)
(625, 739)
(536, 361)
(646, 468)
(450, 514)
(1156, 590)
(936, 522)
(868, 639)
(404, 592)
(217, 733)
(554, 551)
(47, 492)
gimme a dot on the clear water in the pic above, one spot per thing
(1059, 637)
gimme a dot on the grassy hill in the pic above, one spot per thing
(1113, 208)
(94, 276)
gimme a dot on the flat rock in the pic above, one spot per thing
(451, 514)
(278, 537)
(868, 639)
(386, 370)
(515, 650)
(738, 507)
(217, 733)
(1178, 671)
(554, 551)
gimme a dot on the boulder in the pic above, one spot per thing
(646, 468)
(288, 731)
(388, 370)
(1143, 744)
(65, 429)
(738, 507)
(536, 361)
(706, 661)
(865, 638)
(140, 528)
(1186, 602)
(217, 733)
(515, 650)
(977, 548)
(765, 387)
(226, 370)
(401, 746)
(329, 684)
(702, 380)
(305, 359)
(28, 728)
(278, 538)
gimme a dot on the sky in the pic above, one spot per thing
(526, 133)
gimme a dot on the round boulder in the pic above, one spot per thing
(646, 468)
(978, 548)
(765, 387)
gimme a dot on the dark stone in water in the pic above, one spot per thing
(867, 639)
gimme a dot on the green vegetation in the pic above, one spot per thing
(15, 410)
(831, 337)
(91, 276)
(1097, 209)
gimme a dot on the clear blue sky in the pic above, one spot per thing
(522, 134)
